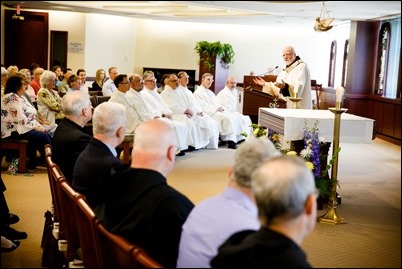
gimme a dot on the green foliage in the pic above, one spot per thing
(323, 183)
(207, 50)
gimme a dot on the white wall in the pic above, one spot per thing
(131, 44)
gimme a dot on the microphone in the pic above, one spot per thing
(273, 69)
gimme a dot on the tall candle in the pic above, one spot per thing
(339, 95)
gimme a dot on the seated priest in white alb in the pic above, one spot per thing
(227, 98)
(119, 96)
(149, 108)
(204, 131)
(231, 124)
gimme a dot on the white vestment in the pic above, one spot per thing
(204, 131)
(231, 124)
(298, 74)
(132, 117)
(156, 107)
(228, 99)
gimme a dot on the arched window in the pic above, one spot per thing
(382, 59)
(332, 62)
(345, 62)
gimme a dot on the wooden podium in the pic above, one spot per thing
(254, 98)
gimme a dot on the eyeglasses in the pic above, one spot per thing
(150, 80)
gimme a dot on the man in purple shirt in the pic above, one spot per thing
(213, 220)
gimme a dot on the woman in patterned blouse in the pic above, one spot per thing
(19, 119)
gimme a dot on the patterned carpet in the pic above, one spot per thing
(370, 187)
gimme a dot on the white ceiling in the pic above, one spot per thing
(263, 13)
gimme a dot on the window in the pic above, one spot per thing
(332, 62)
(345, 63)
(382, 56)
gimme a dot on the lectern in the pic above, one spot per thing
(254, 98)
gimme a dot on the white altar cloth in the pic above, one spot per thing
(290, 123)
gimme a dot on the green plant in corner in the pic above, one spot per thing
(208, 50)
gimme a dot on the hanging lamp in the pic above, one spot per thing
(323, 22)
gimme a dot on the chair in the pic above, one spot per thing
(95, 93)
(21, 146)
(318, 89)
(101, 99)
(87, 233)
(94, 100)
(127, 146)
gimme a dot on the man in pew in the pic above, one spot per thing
(140, 205)
(92, 169)
(70, 138)
(286, 199)
(216, 218)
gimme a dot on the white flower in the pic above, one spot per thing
(305, 153)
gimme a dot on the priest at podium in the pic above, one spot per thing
(293, 81)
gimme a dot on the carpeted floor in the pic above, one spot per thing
(370, 186)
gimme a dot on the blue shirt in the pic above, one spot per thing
(211, 222)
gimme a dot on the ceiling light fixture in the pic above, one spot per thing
(323, 23)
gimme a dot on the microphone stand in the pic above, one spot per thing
(270, 71)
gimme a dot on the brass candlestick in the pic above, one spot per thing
(295, 102)
(331, 216)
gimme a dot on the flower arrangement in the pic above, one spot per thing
(315, 154)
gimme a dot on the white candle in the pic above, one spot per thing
(296, 87)
(339, 94)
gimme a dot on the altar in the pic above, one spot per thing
(290, 123)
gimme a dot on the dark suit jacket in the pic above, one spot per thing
(141, 207)
(92, 171)
(259, 249)
(69, 140)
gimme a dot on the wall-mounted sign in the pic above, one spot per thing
(76, 47)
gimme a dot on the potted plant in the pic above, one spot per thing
(209, 51)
